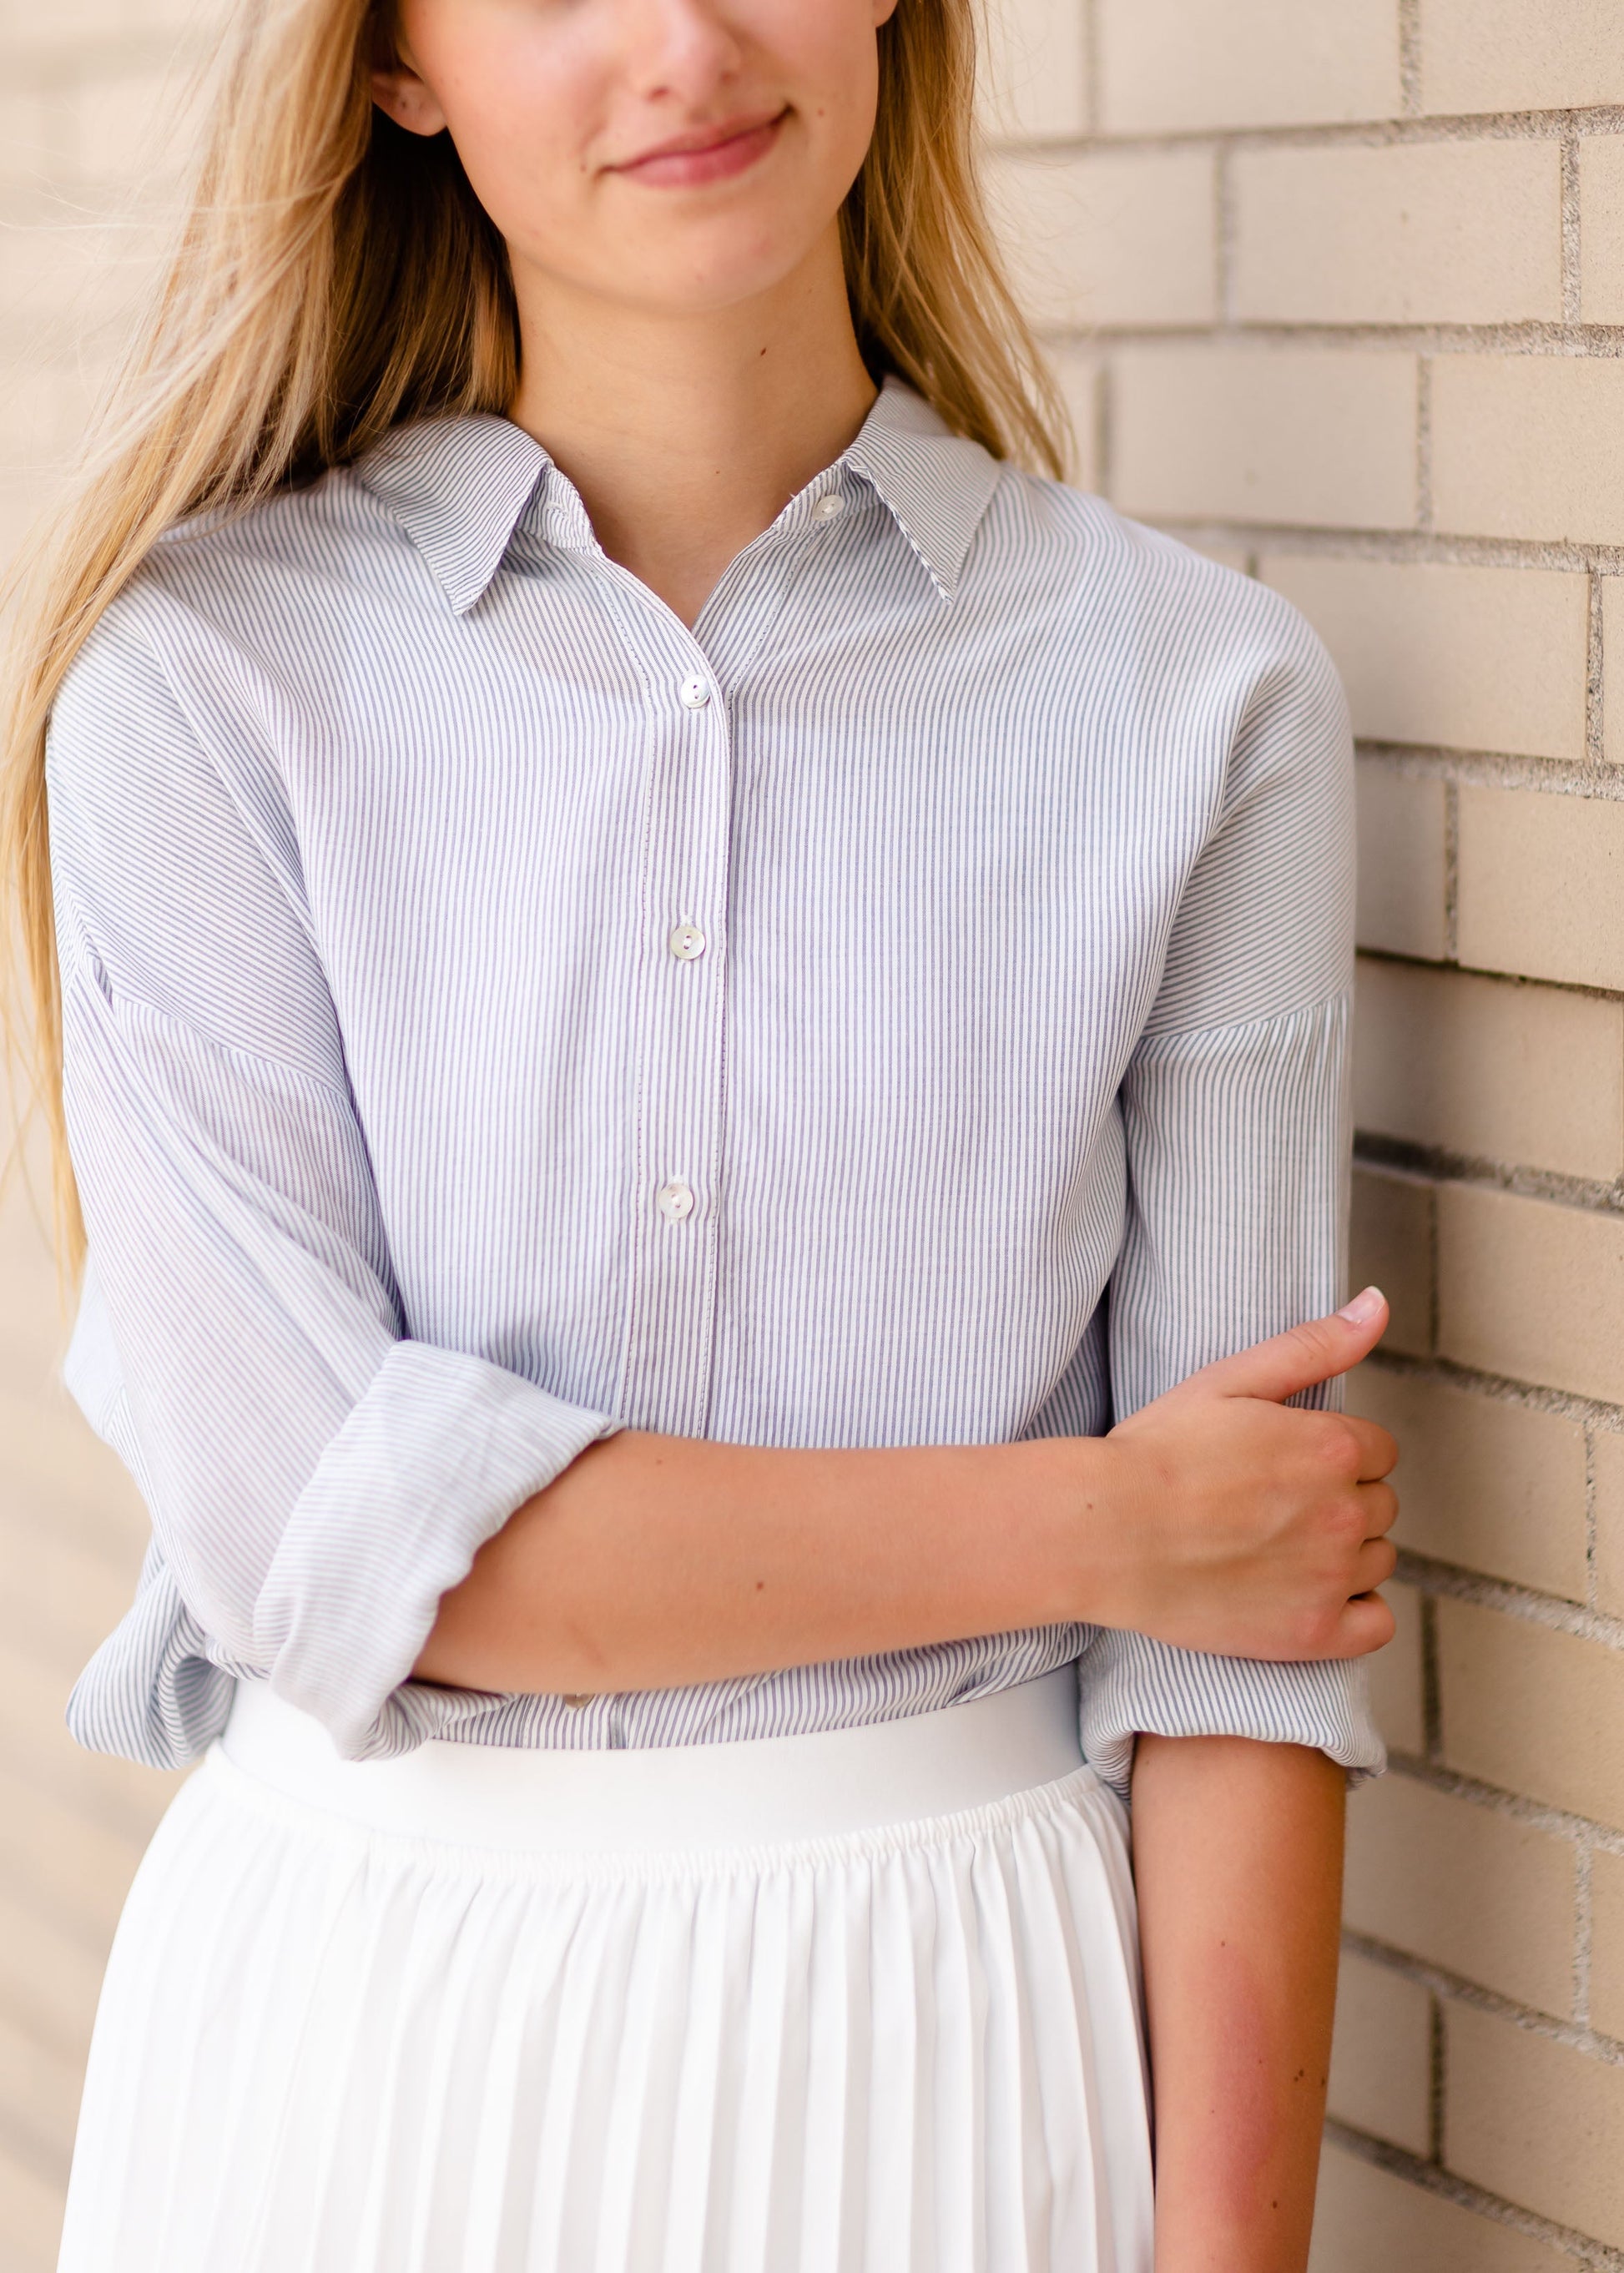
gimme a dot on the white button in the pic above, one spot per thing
(830, 508)
(695, 692)
(686, 943)
(676, 1200)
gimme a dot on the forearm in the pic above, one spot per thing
(1213, 1520)
(1237, 1857)
(656, 1561)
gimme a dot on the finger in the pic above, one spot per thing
(1373, 1564)
(1304, 1356)
(1377, 1452)
(1381, 1506)
(1366, 1624)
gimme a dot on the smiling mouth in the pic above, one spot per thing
(716, 156)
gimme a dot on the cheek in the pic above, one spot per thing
(522, 114)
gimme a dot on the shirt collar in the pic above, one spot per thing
(937, 485)
(459, 487)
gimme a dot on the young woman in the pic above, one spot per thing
(676, 984)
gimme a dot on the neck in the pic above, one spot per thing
(686, 436)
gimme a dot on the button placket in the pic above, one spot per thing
(666, 1379)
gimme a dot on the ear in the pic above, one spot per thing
(883, 10)
(408, 100)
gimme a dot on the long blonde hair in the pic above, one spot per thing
(334, 276)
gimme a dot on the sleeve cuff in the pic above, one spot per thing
(1132, 1684)
(428, 1466)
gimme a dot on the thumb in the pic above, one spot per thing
(1303, 1356)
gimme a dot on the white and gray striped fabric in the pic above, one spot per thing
(910, 1007)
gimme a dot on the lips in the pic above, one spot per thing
(709, 154)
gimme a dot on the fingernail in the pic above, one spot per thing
(1362, 1308)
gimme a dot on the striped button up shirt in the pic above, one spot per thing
(909, 1008)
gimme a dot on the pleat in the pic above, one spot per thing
(325, 2048)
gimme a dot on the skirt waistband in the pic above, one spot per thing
(760, 1791)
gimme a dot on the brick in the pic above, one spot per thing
(1443, 232)
(1613, 669)
(1397, 1681)
(38, 2095)
(1165, 65)
(1607, 1468)
(1601, 230)
(1402, 861)
(31, 2206)
(47, 1452)
(130, 129)
(1080, 378)
(1532, 1289)
(1119, 237)
(75, 1864)
(55, 1593)
(1532, 1710)
(1487, 1485)
(1535, 2121)
(1520, 55)
(1392, 1248)
(1313, 437)
(1464, 1887)
(1368, 2220)
(114, 1791)
(1607, 1943)
(1529, 445)
(30, 147)
(1470, 658)
(1529, 1076)
(1382, 2055)
(51, 1974)
(1035, 70)
(1542, 886)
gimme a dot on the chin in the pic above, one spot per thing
(701, 279)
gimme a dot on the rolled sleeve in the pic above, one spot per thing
(1237, 1119)
(316, 1477)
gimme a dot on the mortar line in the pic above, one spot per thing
(1607, 2051)
(1402, 547)
(1499, 769)
(1583, 1931)
(1431, 1686)
(1400, 1156)
(1091, 66)
(1435, 2080)
(1399, 2163)
(1402, 132)
(1409, 56)
(1558, 1823)
(1591, 1587)
(1534, 336)
(1452, 873)
(1596, 675)
(1223, 239)
(1478, 1383)
(1511, 1599)
(1423, 443)
(1514, 979)
(1572, 224)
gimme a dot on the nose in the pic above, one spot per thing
(681, 51)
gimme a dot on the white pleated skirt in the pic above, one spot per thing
(864, 2002)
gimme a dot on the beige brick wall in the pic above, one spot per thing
(1406, 415)
(82, 87)
(1327, 283)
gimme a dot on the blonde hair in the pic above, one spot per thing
(334, 276)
